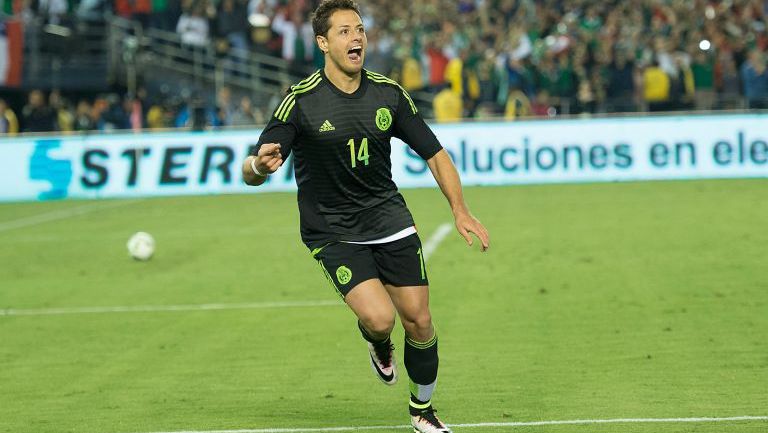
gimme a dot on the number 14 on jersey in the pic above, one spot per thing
(361, 154)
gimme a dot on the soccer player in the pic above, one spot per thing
(338, 123)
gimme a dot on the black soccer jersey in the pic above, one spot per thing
(341, 148)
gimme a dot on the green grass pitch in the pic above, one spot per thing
(596, 301)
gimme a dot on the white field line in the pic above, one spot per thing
(491, 424)
(61, 214)
(434, 241)
(166, 308)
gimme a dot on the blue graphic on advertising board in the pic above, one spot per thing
(58, 172)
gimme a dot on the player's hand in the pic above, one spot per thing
(466, 223)
(269, 158)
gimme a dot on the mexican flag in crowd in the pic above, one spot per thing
(11, 44)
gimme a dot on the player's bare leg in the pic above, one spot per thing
(421, 360)
(370, 301)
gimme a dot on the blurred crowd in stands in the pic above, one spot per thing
(477, 58)
(111, 112)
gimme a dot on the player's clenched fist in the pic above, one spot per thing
(267, 161)
(269, 158)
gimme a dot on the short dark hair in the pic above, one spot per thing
(321, 18)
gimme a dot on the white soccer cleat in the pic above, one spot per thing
(428, 422)
(383, 362)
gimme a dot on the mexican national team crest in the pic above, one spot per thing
(383, 118)
(343, 274)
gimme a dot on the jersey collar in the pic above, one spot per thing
(354, 95)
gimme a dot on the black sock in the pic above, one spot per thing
(421, 361)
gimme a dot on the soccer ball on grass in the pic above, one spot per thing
(141, 246)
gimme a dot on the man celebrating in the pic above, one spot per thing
(338, 122)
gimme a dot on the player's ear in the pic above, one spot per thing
(322, 42)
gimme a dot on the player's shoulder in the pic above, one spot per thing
(295, 92)
(305, 86)
(382, 80)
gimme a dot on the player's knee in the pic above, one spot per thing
(379, 324)
(419, 326)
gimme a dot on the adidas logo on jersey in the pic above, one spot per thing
(327, 127)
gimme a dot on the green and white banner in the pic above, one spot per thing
(495, 153)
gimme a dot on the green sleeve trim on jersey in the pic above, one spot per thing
(306, 81)
(306, 89)
(284, 117)
(285, 107)
(378, 78)
(286, 102)
(297, 91)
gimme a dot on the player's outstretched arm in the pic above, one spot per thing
(448, 178)
(257, 168)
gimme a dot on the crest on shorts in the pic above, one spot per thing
(343, 274)
(383, 118)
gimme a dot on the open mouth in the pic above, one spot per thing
(355, 54)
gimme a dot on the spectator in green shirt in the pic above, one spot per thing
(703, 68)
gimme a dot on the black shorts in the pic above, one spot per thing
(399, 263)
